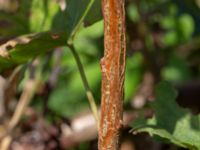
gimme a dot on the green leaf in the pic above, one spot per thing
(43, 15)
(94, 14)
(72, 17)
(24, 48)
(161, 133)
(172, 122)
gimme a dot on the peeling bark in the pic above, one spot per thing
(113, 69)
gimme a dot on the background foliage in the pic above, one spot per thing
(163, 44)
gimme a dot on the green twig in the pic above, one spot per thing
(80, 22)
(86, 84)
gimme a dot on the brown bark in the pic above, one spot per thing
(113, 68)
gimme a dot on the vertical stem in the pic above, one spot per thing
(113, 68)
(89, 94)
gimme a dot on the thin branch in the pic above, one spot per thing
(23, 103)
(80, 22)
(89, 94)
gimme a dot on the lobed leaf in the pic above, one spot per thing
(170, 121)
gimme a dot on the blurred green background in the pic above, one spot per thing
(163, 43)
